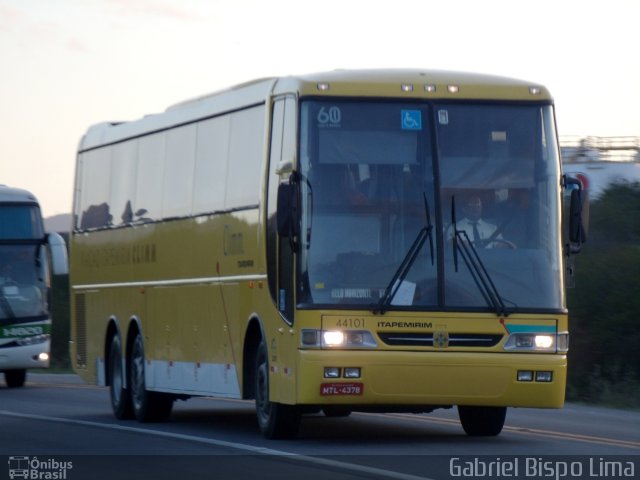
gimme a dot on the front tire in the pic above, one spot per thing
(15, 378)
(120, 396)
(147, 406)
(482, 421)
(276, 420)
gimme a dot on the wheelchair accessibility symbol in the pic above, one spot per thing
(411, 119)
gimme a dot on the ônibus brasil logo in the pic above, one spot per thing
(38, 469)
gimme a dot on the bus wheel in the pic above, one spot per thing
(15, 378)
(147, 406)
(276, 420)
(482, 421)
(120, 396)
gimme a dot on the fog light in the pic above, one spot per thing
(525, 376)
(352, 372)
(544, 376)
(331, 372)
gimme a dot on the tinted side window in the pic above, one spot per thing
(150, 176)
(212, 147)
(272, 196)
(245, 158)
(95, 211)
(123, 181)
(178, 176)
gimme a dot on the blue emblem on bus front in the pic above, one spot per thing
(411, 119)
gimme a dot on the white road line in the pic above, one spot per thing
(223, 443)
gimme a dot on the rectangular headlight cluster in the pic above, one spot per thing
(337, 339)
(538, 342)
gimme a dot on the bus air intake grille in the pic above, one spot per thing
(426, 339)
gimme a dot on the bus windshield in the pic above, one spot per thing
(23, 289)
(20, 222)
(23, 263)
(377, 174)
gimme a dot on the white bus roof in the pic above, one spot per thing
(365, 83)
(234, 98)
(17, 195)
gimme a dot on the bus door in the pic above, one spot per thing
(281, 254)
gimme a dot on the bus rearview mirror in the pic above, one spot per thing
(288, 225)
(58, 251)
(578, 219)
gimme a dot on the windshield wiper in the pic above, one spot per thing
(462, 244)
(410, 257)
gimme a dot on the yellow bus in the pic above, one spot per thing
(346, 241)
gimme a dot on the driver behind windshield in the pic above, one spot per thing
(480, 232)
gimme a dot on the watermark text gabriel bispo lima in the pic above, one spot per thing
(541, 467)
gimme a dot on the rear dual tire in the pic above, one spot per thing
(147, 406)
(119, 395)
(135, 401)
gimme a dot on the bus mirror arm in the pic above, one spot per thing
(578, 214)
(58, 251)
(288, 209)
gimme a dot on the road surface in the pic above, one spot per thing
(56, 419)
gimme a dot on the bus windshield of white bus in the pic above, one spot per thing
(477, 180)
(23, 263)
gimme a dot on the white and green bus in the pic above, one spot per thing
(309, 242)
(27, 256)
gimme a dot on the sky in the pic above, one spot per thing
(68, 64)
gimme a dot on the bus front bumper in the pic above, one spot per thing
(405, 379)
(25, 357)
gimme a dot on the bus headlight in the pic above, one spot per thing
(544, 342)
(333, 338)
(337, 339)
(538, 342)
(348, 339)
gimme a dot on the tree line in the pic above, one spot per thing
(604, 305)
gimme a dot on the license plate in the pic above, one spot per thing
(330, 389)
